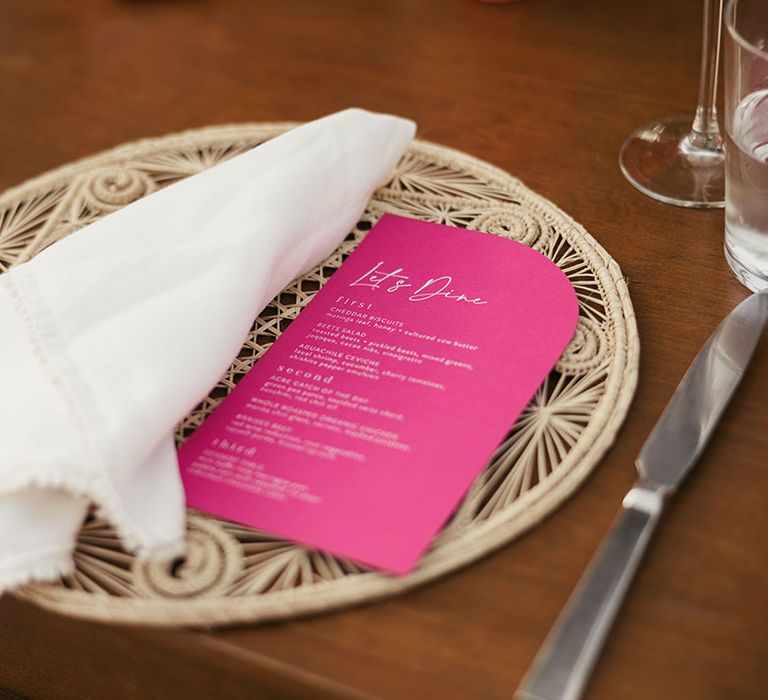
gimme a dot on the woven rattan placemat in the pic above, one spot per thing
(234, 574)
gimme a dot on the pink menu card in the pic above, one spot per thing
(362, 427)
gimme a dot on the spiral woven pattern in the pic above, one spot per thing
(231, 573)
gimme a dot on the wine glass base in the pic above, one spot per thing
(660, 160)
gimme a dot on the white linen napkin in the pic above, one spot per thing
(110, 336)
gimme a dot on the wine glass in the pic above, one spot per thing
(678, 161)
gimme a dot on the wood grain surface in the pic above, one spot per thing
(548, 90)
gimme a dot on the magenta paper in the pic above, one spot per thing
(361, 429)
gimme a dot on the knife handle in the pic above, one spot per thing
(562, 666)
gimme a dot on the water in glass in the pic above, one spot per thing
(746, 224)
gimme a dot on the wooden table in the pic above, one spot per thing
(546, 89)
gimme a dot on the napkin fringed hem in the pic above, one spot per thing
(48, 565)
(35, 342)
(108, 508)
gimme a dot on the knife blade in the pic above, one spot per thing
(562, 667)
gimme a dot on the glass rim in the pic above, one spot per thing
(738, 38)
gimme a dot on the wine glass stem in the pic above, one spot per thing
(705, 132)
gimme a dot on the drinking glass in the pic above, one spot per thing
(678, 161)
(746, 128)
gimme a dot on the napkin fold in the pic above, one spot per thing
(110, 336)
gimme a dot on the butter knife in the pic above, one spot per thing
(562, 666)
